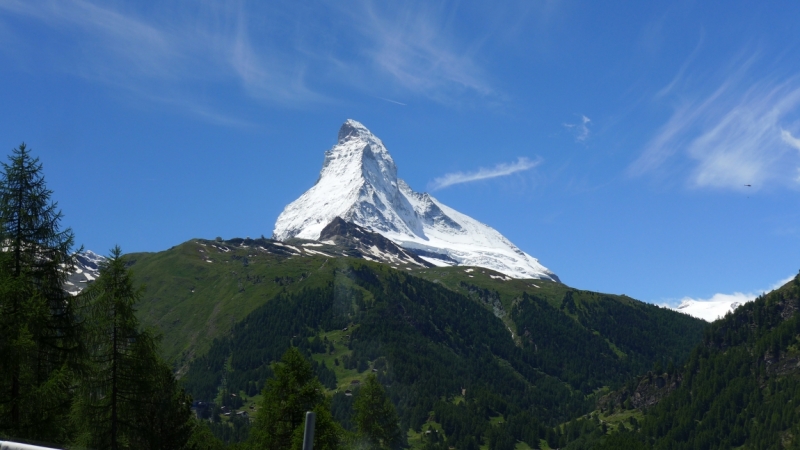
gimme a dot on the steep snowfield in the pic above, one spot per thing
(358, 182)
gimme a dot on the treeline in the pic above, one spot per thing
(76, 371)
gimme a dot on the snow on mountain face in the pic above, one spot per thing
(709, 310)
(87, 269)
(358, 182)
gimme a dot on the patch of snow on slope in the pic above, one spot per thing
(437, 262)
(314, 252)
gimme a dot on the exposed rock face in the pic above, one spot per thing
(366, 244)
(649, 390)
(87, 269)
(358, 183)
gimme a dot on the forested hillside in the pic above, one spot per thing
(458, 349)
(741, 386)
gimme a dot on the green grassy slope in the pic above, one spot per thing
(196, 291)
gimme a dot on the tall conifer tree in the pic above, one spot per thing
(129, 397)
(39, 327)
(287, 396)
(375, 416)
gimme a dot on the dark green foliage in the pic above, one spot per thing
(127, 397)
(262, 337)
(75, 369)
(621, 441)
(342, 410)
(237, 429)
(648, 334)
(286, 398)
(741, 387)
(581, 353)
(165, 418)
(120, 352)
(437, 342)
(375, 416)
(325, 375)
(203, 439)
(562, 347)
(40, 326)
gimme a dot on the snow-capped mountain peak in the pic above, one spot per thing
(358, 182)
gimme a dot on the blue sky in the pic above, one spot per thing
(611, 140)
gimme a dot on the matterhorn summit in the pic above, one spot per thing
(358, 183)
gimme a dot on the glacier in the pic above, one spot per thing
(358, 183)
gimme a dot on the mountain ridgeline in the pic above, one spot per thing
(459, 348)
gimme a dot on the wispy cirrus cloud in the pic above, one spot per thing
(165, 60)
(500, 170)
(741, 133)
(291, 56)
(411, 46)
(580, 130)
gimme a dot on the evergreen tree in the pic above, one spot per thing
(164, 417)
(129, 397)
(287, 397)
(375, 416)
(203, 439)
(39, 321)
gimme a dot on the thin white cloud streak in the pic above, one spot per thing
(789, 139)
(500, 170)
(581, 130)
(391, 101)
(732, 136)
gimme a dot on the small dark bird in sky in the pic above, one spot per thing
(747, 185)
